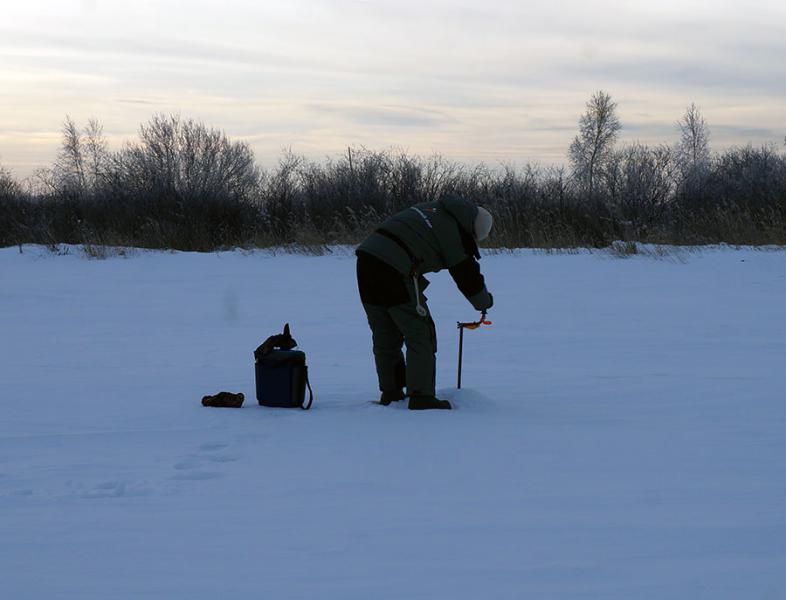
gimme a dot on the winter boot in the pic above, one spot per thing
(388, 397)
(427, 402)
(224, 400)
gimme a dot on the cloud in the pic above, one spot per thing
(384, 116)
(745, 133)
(136, 101)
(684, 73)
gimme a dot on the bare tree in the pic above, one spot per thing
(640, 182)
(693, 150)
(41, 182)
(96, 153)
(593, 146)
(69, 167)
(188, 160)
(81, 162)
(9, 188)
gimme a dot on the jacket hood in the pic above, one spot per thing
(463, 211)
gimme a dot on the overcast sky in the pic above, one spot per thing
(493, 80)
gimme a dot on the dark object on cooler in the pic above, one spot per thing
(282, 341)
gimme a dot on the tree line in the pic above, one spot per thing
(185, 185)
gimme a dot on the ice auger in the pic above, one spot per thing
(461, 328)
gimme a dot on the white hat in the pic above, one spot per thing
(483, 223)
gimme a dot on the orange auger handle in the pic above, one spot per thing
(475, 324)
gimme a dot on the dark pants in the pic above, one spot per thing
(389, 301)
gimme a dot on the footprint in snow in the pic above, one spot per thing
(212, 446)
(222, 458)
(196, 475)
(191, 468)
(192, 462)
(117, 489)
(210, 451)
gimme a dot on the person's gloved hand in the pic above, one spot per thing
(482, 301)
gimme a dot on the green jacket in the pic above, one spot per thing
(429, 237)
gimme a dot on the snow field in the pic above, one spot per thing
(621, 434)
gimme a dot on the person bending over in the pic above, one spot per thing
(424, 238)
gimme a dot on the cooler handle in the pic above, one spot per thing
(306, 406)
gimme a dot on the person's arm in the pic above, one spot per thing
(470, 282)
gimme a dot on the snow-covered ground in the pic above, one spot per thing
(622, 434)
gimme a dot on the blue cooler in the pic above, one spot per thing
(282, 378)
